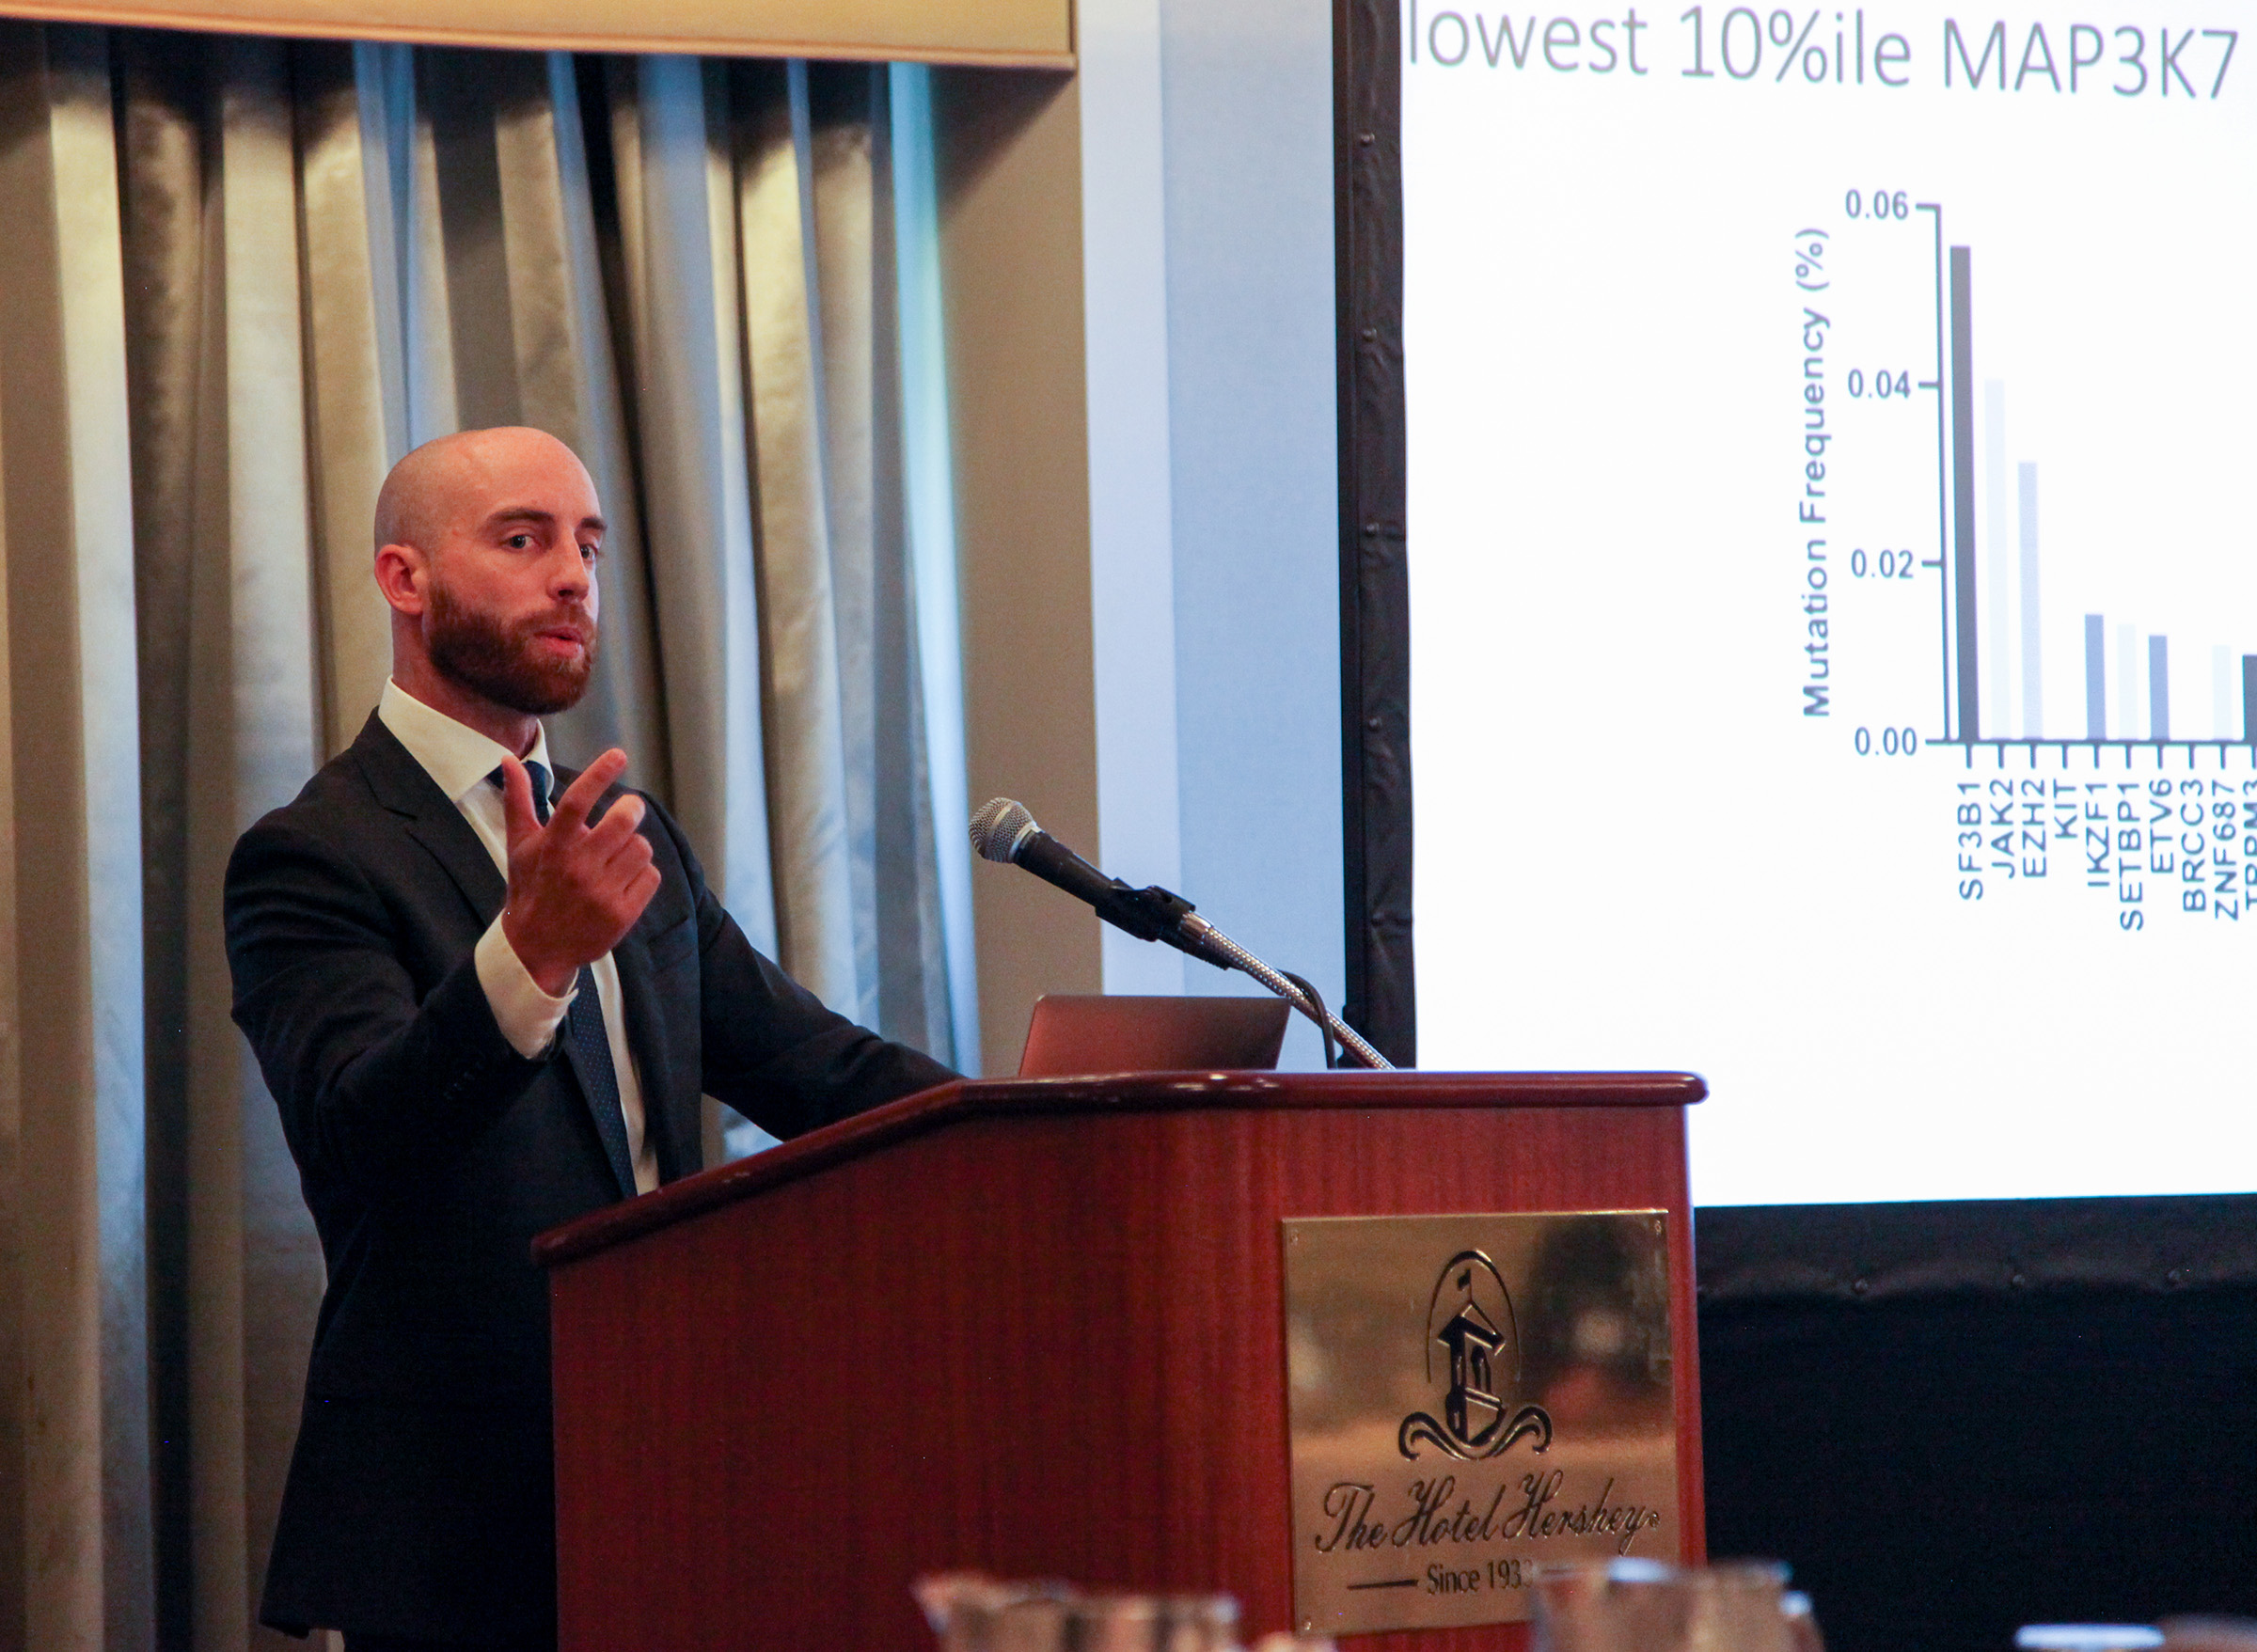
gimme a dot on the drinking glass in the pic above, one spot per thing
(972, 1613)
(1645, 1606)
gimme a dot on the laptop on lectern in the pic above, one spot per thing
(1075, 1033)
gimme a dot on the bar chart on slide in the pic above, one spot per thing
(1997, 629)
(2026, 563)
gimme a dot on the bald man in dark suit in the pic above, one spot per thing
(486, 997)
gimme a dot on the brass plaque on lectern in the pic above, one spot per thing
(1472, 1397)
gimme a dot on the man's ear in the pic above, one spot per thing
(404, 575)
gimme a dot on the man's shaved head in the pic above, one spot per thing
(438, 481)
(486, 547)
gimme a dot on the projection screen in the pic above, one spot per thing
(1834, 580)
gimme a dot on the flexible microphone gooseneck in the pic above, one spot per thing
(1004, 830)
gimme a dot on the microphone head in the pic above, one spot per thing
(1000, 827)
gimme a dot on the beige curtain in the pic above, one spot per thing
(241, 277)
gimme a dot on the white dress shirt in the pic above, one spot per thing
(458, 759)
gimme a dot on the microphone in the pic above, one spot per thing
(1004, 830)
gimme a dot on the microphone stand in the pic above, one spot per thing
(1172, 916)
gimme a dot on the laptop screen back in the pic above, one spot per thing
(1075, 1033)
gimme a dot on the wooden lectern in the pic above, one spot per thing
(1027, 1327)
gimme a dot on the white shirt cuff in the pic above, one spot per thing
(528, 1016)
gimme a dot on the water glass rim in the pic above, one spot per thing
(1635, 1571)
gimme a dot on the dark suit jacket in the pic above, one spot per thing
(431, 1152)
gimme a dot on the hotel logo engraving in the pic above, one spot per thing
(1478, 1326)
(1453, 1429)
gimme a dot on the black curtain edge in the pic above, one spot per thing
(1375, 638)
(1999, 1248)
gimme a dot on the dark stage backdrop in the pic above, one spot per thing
(1955, 1418)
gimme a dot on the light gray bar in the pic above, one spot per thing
(2034, 716)
(1997, 551)
(2130, 683)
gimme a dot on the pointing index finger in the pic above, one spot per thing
(581, 796)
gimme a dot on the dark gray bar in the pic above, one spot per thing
(2158, 687)
(2096, 678)
(1962, 492)
(2249, 697)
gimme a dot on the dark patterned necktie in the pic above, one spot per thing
(586, 1044)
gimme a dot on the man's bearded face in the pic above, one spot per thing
(511, 664)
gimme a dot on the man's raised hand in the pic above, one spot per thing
(575, 889)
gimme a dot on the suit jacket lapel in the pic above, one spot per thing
(404, 786)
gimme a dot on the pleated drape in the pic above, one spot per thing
(241, 278)
(74, 1327)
